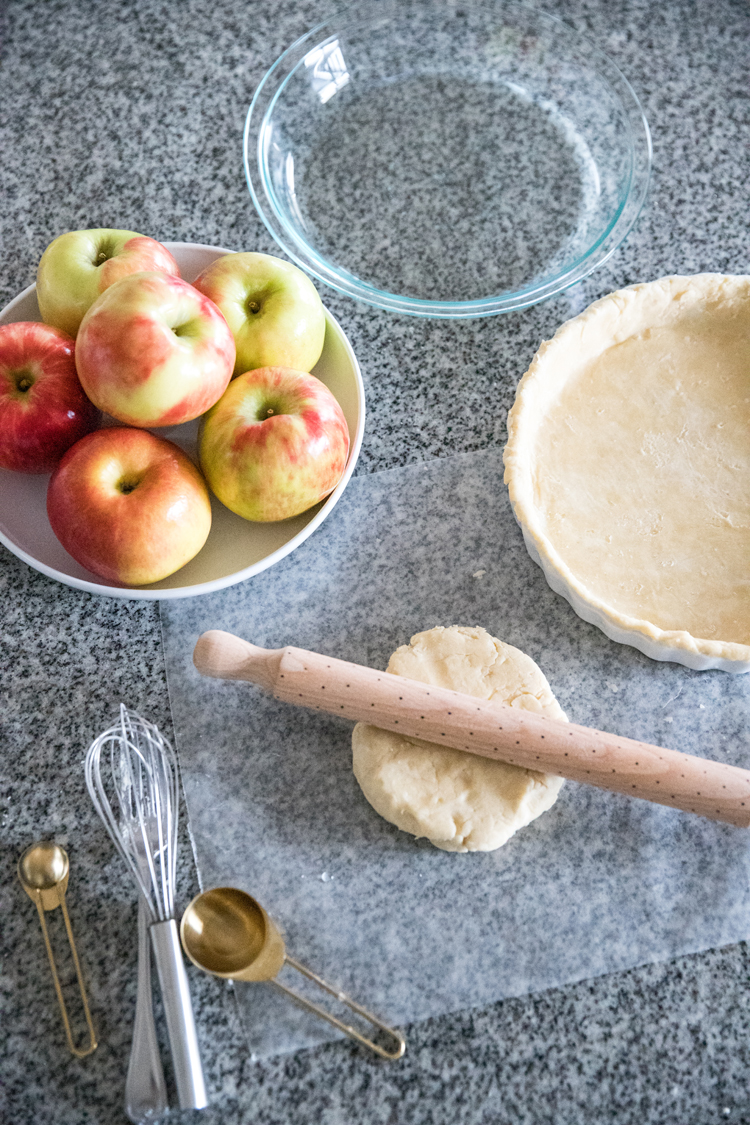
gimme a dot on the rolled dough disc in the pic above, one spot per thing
(460, 802)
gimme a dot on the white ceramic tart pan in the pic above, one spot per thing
(628, 467)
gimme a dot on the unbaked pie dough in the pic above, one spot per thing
(460, 802)
(628, 466)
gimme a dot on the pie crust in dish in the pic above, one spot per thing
(628, 467)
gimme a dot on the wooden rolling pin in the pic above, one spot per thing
(492, 730)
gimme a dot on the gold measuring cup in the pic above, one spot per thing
(43, 870)
(227, 933)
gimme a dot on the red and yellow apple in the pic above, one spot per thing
(153, 351)
(275, 444)
(43, 410)
(129, 506)
(273, 309)
(78, 266)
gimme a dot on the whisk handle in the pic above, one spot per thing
(145, 1088)
(175, 991)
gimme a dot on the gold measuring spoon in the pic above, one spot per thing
(227, 933)
(43, 870)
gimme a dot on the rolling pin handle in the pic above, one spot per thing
(226, 657)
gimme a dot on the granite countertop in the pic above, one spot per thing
(130, 114)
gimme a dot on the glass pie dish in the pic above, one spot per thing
(446, 159)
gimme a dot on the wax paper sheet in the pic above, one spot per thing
(598, 884)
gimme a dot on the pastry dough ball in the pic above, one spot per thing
(460, 802)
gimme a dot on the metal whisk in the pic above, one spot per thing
(131, 774)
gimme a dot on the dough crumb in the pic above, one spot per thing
(458, 801)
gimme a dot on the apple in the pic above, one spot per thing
(129, 506)
(153, 351)
(43, 410)
(273, 309)
(275, 444)
(80, 265)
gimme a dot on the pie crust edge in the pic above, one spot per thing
(608, 321)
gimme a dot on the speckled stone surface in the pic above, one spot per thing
(130, 115)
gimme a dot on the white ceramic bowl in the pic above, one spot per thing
(236, 549)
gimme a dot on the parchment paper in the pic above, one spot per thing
(599, 883)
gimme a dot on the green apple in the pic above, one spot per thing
(273, 309)
(77, 267)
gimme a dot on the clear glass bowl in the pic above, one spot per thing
(446, 158)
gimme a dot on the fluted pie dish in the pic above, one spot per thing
(628, 467)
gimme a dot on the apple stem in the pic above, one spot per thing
(104, 253)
